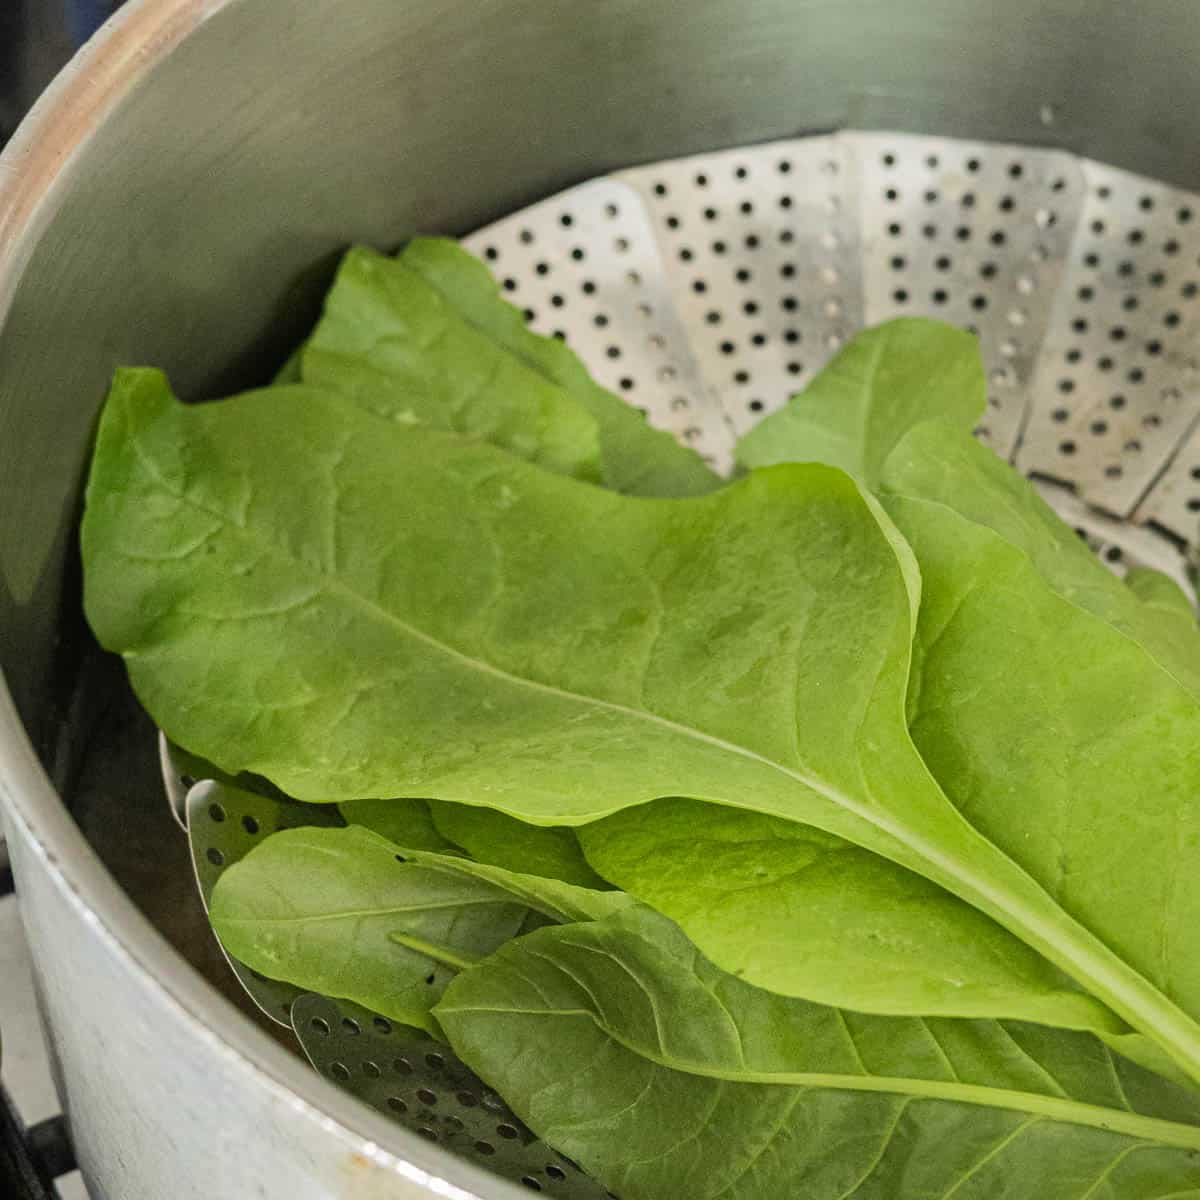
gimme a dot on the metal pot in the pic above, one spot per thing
(176, 198)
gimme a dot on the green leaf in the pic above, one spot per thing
(323, 913)
(285, 574)
(427, 339)
(887, 380)
(406, 822)
(483, 834)
(392, 344)
(636, 458)
(1159, 591)
(625, 1050)
(494, 837)
(1063, 740)
(786, 907)
(895, 408)
(290, 371)
(346, 913)
(1026, 639)
(938, 463)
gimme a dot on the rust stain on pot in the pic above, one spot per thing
(368, 1179)
(360, 1166)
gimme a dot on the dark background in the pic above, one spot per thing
(36, 38)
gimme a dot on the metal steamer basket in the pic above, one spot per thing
(706, 198)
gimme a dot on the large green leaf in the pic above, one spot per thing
(937, 462)
(1025, 639)
(624, 1049)
(885, 381)
(392, 344)
(1062, 739)
(346, 913)
(1173, 609)
(289, 372)
(1106, 770)
(490, 836)
(287, 575)
(636, 458)
(403, 821)
(800, 912)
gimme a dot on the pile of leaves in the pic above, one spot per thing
(829, 833)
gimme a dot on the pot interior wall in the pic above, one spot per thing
(196, 226)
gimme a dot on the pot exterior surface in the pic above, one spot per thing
(179, 198)
(159, 1105)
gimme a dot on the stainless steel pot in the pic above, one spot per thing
(176, 198)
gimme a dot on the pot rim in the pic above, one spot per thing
(36, 168)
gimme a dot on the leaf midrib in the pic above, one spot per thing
(1075, 1112)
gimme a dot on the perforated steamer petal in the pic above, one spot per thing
(1082, 282)
(707, 290)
